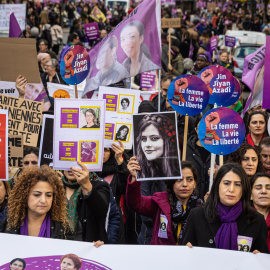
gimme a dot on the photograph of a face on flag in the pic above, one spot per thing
(156, 146)
(133, 47)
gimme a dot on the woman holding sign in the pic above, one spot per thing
(169, 210)
(227, 219)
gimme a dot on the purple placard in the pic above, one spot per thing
(68, 151)
(111, 102)
(266, 96)
(69, 118)
(168, 2)
(230, 41)
(148, 80)
(109, 131)
(91, 31)
(213, 43)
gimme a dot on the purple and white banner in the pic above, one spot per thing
(266, 82)
(168, 2)
(148, 80)
(91, 31)
(133, 47)
(230, 41)
(213, 43)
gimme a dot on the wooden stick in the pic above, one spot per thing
(213, 159)
(221, 160)
(170, 45)
(159, 91)
(76, 91)
(185, 138)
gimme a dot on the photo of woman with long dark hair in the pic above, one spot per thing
(122, 133)
(156, 145)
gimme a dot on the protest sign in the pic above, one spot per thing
(221, 131)
(91, 31)
(46, 141)
(213, 43)
(220, 83)
(14, 27)
(235, 96)
(168, 2)
(79, 129)
(33, 91)
(15, 151)
(230, 41)
(148, 80)
(171, 23)
(18, 57)
(47, 253)
(188, 95)
(25, 117)
(60, 90)
(19, 11)
(120, 105)
(155, 144)
(96, 14)
(4, 144)
(111, 59)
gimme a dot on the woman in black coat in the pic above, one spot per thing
(227, 221)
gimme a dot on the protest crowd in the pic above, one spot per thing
(187, 193)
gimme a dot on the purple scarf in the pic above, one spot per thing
(226, 237)
(45, 230)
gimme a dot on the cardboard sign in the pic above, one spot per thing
(18, 57)
(15, 151)
(3, 144)
(25, 117)
(171, 23)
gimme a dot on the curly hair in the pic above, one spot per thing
(76, 260)
(169, 165)
(17, 204)
(238, 155)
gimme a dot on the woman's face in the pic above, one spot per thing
(32, 91)
(250, 162)
(124, 104)
(223, 57)
(30, 161)
(260, 194)
(265, 157)
(183, 188)
(2, 192)
(257, 124)
(17, 265)
(131, 41)
(152, 143)
(67, 264)
(40, 199)
(89, 117)
(106, 154)
(123, 133)
(230, 189)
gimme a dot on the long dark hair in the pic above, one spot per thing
(169, 161)
(213, 199)
(265, 119)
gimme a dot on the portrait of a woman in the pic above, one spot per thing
(156, 146)
(124, 105)
(138, 55)
(122, 133)
(90, 118)
(70, 262)
(17, 264)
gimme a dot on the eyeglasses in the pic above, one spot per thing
(32, 162)
(47, 65)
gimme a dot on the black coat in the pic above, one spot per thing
(199, 232)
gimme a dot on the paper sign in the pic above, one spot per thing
(79, 129)
(171, 23)
(220, 83)
(75, 65)
(188, 95)
(15, 151)
(221, 131)
(230, 41)
(18, 57)
(25, 117)
(148, 80)
(46, 141)
(120, 105)
(213, 43)
(4, 144)
(235, 96)
(91, 31)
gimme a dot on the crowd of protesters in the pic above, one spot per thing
(111, 206)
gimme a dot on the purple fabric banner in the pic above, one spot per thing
(14, 28)
(266, 85)
(213, 43)
(133, 47)
(230, 41)
(91, 31)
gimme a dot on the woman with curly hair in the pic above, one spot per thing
(4, 193)
(37, 206)
(249, 158)
(156, 147)
(169, 210)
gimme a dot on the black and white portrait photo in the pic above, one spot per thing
(122, 132)
(126, 104)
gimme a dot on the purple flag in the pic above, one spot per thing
(266, 96)
(133, 47)
(14, 28)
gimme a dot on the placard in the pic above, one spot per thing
(15, 151)
(148, 80)
(171, 23)
(235, 96)
(120, 105)
(75, 65)
(188, 95)
(4, 144)
(221, 131)
(91, 31)
(230, 41)
(220, 83)
(46, 141)
(213, 43)
(155, 145)
(79, 129)
(25, 117)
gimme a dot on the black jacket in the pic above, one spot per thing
(57, 230)
(199, 232)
